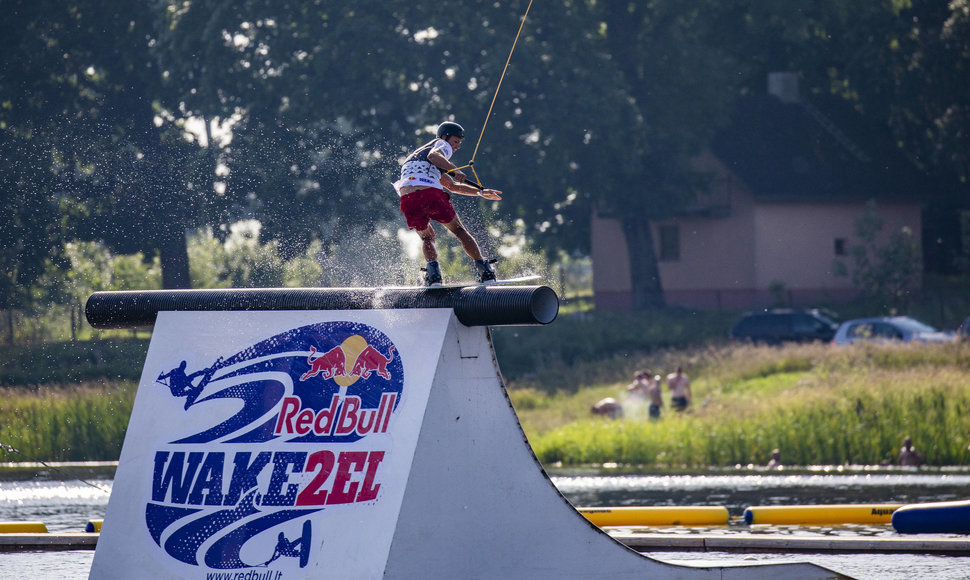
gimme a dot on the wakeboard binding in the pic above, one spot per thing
(432, 274)
(485, 272)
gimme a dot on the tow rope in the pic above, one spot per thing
(471, 163)
(12, 449)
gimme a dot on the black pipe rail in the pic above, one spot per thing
(473, 305)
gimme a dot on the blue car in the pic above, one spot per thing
(889, 328)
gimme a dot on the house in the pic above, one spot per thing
(790, 179)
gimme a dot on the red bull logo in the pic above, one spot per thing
(362, 357)
(344, 416)
(370, 360)
(328, 365)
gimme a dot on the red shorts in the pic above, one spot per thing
(421, 206)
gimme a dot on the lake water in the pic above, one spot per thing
(67, 506)
(741, 488)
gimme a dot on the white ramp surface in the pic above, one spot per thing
(479, 505)
(289, 445)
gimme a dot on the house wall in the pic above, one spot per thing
(715, 269)
(611, 265)
(796, 242)
(755, 255)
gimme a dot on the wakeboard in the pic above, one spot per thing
(305, 545)
(504, 282)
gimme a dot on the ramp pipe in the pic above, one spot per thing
(473, 305)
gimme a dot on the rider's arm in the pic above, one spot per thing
(465, 189)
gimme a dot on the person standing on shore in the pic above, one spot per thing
(654, 395)
(679, 384)
(427, 177)
(775, 461)
(648, 388)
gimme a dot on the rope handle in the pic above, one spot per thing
(475, 182)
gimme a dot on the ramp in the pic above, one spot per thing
(343, 433)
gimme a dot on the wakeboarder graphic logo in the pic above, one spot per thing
(268, 445)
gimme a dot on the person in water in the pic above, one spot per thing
(908, 456)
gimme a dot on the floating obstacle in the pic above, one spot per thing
(795, 515)
(93, 526)
(944, 517)
(23, 528)
(656, 516)
(345, 433)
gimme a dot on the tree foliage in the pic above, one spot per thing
(84, 91)
(132, 122)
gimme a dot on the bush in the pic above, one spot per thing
(562, 351)
(85, 422)
(66, 362)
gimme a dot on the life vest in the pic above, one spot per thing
(418, 171)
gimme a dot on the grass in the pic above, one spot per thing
(80, 422)
(817, 403)
(593, 347)
(72, 362)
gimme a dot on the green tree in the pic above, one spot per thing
(130, 122)
(311, 106)
(901, 64)
(321, 118)
(241, 261)
(683, 85)
(914, 72)
(83, 91)
(30, 232)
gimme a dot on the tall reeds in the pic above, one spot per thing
(85, 422)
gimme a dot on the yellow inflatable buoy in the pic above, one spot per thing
(23, 528)
(656, 516)
(820, 514)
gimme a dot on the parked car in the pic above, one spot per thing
(784, 325)
(889, 328)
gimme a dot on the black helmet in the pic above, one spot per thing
(448, 128)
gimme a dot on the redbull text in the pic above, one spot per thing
(337, 419)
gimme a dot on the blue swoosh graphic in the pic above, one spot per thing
(257, 397)
(224, 553)
(183, 544)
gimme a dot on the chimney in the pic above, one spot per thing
(784, 86)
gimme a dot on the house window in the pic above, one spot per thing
(669, 243)
(839, 246)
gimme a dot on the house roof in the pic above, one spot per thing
(814, 150)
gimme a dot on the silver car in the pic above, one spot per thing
(889, 328)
